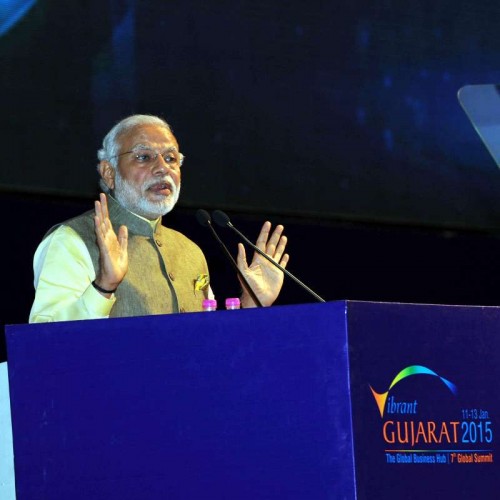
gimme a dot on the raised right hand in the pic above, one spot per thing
(113, 254)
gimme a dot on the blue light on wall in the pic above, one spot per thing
(11, 11)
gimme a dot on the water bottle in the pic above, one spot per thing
(233, 303)
(209, 305)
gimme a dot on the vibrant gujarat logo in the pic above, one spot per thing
(407, 372)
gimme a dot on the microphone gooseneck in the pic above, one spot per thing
(203, 218)
(223, 220)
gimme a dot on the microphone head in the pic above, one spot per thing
(221, 218)
(203, 217)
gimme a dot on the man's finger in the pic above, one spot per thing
(241, 258)
(274, 239)
(104, 205)
(263, 236)
(280, 248)
(123, 237)
(284, 261)
(97, 210)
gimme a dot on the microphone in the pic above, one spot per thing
(203, 218)
(223, 220)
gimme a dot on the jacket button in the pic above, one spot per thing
(159, 243)
(171, 276)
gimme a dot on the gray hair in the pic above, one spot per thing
(110, 145)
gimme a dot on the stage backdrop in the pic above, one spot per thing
(328, 110)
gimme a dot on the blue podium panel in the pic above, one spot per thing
(249, 404)
(425, 400)
(327, 401)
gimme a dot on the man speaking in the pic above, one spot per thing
(119, 259)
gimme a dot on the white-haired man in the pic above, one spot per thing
(118, 259)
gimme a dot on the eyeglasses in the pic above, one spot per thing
(146, 157)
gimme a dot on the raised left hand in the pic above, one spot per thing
(265, 279)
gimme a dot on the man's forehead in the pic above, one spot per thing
(148, 134)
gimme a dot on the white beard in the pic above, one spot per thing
(134, 199)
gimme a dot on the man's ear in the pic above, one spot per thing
(107, 173)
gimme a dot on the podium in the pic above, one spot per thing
(340, 400)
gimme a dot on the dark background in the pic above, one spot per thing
(340, 121)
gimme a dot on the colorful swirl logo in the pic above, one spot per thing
(381, 398)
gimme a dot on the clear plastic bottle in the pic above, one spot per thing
(233, 303)
(209, 305)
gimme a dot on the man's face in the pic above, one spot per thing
(149, 190)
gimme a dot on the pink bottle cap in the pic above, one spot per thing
(209, 304)
(233, 303)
